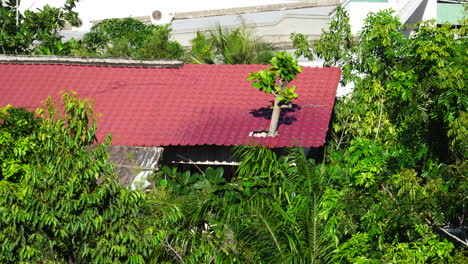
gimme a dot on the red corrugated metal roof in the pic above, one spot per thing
(192, 105)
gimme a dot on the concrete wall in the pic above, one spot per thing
(275, 27)
(431, 10)
(358, 12)
(409, 11)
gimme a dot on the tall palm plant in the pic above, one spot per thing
(229, 46)
(288, 226)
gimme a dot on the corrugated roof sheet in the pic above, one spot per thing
(192, 105)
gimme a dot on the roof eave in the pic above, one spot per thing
(69, 60)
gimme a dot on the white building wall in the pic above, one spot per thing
(274, 27)
(91, 10)
(431, 10)
(358, 12)
(405, 10)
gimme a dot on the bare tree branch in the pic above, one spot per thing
(464, 243)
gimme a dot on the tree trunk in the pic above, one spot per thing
(272, 132)
(274, 118)
(17, 14)
(71, 257)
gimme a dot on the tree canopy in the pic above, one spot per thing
(393, 143)
(34, 32)
(274, 80)
(130, 38)
(59, 196)
(37, 32)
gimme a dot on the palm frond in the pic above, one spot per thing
(239, 46)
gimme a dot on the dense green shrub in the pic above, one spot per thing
(130, 38)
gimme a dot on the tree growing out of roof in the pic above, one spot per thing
(274, 80)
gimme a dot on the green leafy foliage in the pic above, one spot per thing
(67, 206)
(16, 128)
(260, 167)
(427, 249)
(34, 32)
(389, 187)
(301, 43)
(199, 231)
(273, 80)
(129, 37)
(392, 139)
(334, 44)
(201, 51)
(287, 221)
(229, 46)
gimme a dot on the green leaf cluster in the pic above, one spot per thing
(387, 187)
(16, 128)
(130, 38)
(397, 151)
(59, 196)
(277, 220)
(273, 80)
(395, 144)
(33, 31)
(38, 33)
(229, 46)
(334, 43)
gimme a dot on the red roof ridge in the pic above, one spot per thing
(95, 61)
